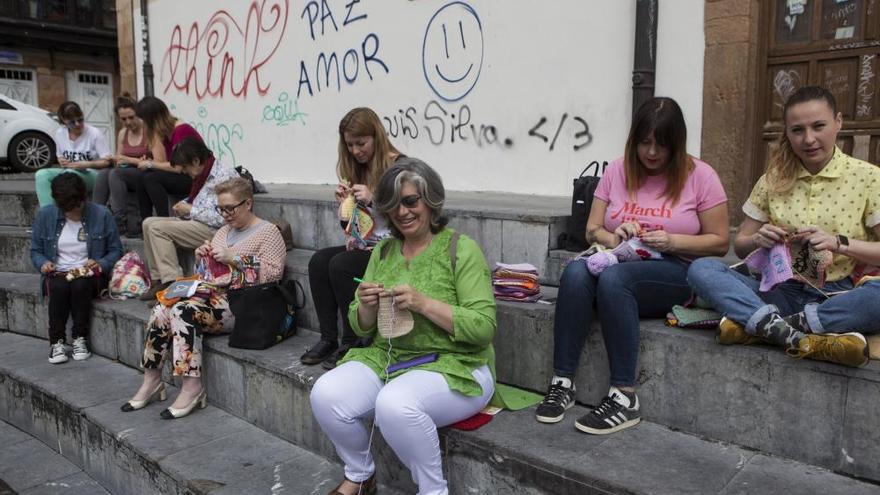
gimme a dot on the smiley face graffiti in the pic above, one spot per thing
(452, 51)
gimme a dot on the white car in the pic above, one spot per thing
(26, 135)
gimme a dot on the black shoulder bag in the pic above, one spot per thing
(265, 314)
(584, 186)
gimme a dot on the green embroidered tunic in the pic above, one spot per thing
(468, 290)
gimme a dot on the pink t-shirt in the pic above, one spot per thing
(702, 191)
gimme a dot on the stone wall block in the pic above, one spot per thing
(102, 335)
(859, 453)
(225, 383)
(484, 231)
(303, 219)
(524, 242)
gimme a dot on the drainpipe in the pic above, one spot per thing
(145, 36)
(645, 59)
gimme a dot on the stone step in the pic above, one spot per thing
(139, 452)
(510, 228)
(686, 381)
(30, 467)
(269, 389)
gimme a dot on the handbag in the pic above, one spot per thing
(130, 277)
(583, 187)
(265, 314)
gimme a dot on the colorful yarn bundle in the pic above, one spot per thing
(516, 282)
(630, 250)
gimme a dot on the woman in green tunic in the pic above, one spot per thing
(441, 279)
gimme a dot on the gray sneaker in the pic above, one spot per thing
(81, 349)
(616, 412)
(559, 398)
(57, 355)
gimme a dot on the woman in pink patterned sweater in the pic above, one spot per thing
(254, 249)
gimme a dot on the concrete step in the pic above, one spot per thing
(269, 389)
(510, 228)
(133, 453)
(30, 467)
(755, 397)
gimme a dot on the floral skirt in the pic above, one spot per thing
(181, 326)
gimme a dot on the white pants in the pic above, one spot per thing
(408, 410)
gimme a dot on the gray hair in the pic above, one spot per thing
(427, 182)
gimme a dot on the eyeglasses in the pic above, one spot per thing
(228, 210)
(410, 201)
(71, 123)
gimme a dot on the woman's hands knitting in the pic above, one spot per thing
(627, 230)
(368, 294)
(407, 297)
(768, 236)
(658, 239)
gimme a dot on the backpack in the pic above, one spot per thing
(584, 186)
(130, 277)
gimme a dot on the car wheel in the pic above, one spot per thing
(31, 151)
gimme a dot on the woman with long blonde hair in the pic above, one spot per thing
(815, 196)
(365, 153)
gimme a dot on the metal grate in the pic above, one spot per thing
(16, 75)
(94, 79)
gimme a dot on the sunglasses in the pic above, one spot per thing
(228, 210)
(71, 123)
(410, 201)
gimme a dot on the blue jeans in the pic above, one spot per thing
(736, 296)
(623, 293)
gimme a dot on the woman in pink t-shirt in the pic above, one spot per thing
(674, 204)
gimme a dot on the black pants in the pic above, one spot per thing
(155, 189)
(70, 299)
(331, 277)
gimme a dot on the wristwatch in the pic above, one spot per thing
(149, 164)
(842, 241)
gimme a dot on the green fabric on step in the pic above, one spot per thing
(516, 398)
(695, 317)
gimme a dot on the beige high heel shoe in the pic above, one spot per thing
(201, 401)
(134, 405)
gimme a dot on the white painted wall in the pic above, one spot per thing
(539, 61)
(681, 42)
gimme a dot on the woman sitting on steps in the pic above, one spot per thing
(673, 204)
(245, 241)
(815, 194)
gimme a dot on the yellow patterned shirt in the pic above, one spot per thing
(843, 198)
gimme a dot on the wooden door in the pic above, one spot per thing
(830, 43)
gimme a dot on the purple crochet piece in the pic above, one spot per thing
(773, 264)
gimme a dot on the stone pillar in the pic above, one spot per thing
(125, 39)
(730, 94)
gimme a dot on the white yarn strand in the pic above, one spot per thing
(387, 365)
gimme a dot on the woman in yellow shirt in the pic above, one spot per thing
(815, 194)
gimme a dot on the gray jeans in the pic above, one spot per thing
(111, 188)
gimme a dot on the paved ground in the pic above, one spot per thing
(29, 467)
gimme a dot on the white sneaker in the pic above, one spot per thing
(80, 349)
(57, 354)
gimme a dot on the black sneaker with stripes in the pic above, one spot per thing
(616, 412)
(559, 398)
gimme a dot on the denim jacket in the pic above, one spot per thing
(102, 239)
